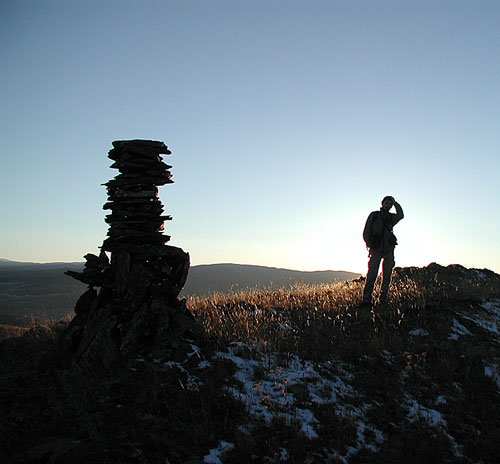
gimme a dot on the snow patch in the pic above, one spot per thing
(193, 382)
(458, 330)
(214, 455)
(270, 397)
(433, 418)
(419, 332)
(491, 370)
(440, 400)
(416, 411)
(196, 351)
(490, 319)
(388, 356)
(290, 392)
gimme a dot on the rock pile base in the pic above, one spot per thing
(132, 305)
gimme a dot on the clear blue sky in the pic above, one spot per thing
(288, 121)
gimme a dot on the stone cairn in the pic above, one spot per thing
(132, 305)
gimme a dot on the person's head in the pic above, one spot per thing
(388, 203)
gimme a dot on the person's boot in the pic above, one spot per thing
(363, 312)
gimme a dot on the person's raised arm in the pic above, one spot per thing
(399, 213)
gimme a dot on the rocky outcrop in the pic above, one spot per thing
(132, 303)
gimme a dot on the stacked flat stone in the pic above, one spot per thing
(137, 306)
(136, 211)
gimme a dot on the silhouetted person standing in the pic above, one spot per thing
(381, 241)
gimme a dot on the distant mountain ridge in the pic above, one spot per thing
(8, 264)
(228, 277)
(36, 289)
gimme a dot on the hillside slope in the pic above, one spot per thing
(282, 376)
(31, 290)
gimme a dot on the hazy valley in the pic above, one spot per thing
(32, 290)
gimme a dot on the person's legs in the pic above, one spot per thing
(387, 267)
(371, 276)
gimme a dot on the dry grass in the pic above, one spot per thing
(9, 331)
(311, 321)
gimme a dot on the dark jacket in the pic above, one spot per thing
(378, 229)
